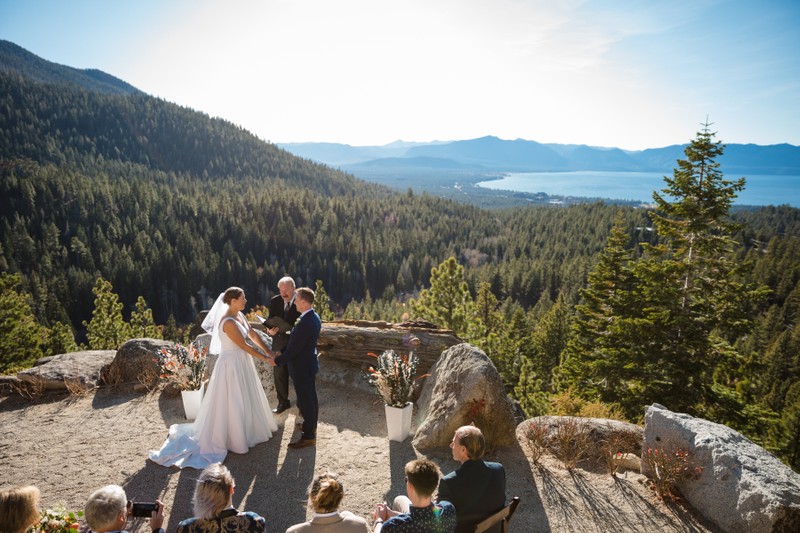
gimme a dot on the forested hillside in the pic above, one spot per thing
(170, 205)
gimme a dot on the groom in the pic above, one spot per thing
(300, 355)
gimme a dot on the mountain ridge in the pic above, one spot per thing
(520, 155)
(14, 58)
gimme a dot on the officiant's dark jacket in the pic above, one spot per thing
(276, 308)
(477, 489)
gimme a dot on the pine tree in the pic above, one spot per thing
(695, 304)
(789, 428)
(142, 323)
(322, 303)
(60, 339)
(20, 334)
(448, 302)
(107, 330)
(550, 339)
(530, 389)
(597, 360)
(487, 329)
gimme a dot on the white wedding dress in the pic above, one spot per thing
(234, 415)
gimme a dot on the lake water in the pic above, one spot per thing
(639, 186)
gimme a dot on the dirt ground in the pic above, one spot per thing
(70, 445)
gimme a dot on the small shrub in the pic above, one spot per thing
(570, 442)
(615, 445)
(77, 387)
(30, 390)
(566, 403)
(111, 376)
(148, 378)
(609, 411)
(536, 437)
(668, 467)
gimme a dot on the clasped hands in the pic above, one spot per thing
(383, 512)
(271, 357)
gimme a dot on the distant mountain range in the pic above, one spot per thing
(491, 154)
(473, 157)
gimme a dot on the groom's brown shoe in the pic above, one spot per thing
(302, 443)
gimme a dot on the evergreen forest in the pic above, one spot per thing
(123, 215)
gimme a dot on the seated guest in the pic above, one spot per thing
(417, 513)
(324, 496)
(19, 509)
(108, 509)
(213, 506)
(478, 488)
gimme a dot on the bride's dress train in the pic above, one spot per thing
(234, 415)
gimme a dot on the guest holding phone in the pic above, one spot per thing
(108, 509)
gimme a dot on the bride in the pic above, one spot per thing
(235, 413)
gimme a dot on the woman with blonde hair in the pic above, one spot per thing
(19, 509)
(213, 506)
(324, 496)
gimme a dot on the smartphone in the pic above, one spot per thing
(144, 509)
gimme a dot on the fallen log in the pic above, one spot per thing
(353, 340)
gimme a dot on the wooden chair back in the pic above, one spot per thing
(500, 517)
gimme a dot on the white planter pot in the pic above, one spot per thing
(191, 402)
(398, 421)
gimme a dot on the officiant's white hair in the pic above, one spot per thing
(104, 506)
(213, 493)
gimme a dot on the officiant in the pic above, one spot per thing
(282, 315)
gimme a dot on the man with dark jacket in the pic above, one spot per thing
(282, 306)
(477, 488)
(300, 355)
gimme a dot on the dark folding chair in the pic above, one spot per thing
(500, 517)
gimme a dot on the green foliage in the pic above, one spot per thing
(487, 329)
(167, 204)
(107, 329)
(20, 335)
(59, 339)
(569, 403)
(141, 323)
(322, 303)
(657, 327)
(600, 354)
(448, 302)
(391, 310)
(787, 431)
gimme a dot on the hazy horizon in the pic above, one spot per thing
(630, 75)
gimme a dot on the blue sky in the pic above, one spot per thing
(630, 74)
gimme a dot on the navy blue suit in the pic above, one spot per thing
(300, 355)
(477, 489)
